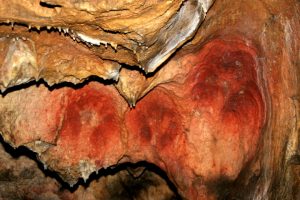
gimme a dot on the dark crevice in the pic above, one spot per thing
(135, 68)
(58, 85)
(76, 86)
(150, 74)
(133, 186)
(49, 5)
(295, 160)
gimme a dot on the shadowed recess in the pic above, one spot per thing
(139, 176)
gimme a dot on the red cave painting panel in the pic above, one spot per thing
(207, 127)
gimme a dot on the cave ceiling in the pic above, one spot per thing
(205, 90)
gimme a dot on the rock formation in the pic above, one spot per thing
(211, 100)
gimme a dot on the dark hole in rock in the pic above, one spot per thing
(49, 5)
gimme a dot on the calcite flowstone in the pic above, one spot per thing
(39, 45)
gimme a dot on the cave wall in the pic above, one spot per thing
(220, 116)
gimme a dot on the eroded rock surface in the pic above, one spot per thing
(23, 178)
(49, 56)
(220, 117)
(143, 34)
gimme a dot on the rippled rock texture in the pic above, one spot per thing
(214, 107)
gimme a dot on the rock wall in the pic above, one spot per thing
(210, 100)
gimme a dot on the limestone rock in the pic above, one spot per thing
(149, 31)
(23, 178)
(220, 116)
(29, 57)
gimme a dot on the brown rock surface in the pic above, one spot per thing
(220, 117)
(49, 56)
(23, 178)
(148, 32)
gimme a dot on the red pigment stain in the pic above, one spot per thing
(91, 128)
(155, 122)
(245, 110)
(226, 80)
(224, 89)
